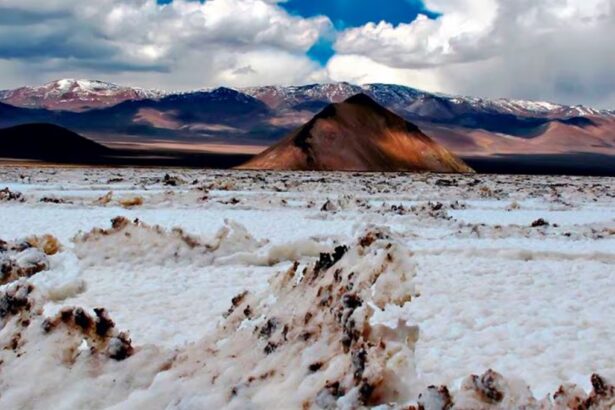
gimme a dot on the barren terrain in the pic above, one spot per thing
(232, 289)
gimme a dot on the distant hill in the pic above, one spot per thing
(358, 135)
(49, 142)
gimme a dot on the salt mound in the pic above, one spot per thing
(492, 391)
(25, 258)
(70, 360)
(306, 342)
(153, 245)
(7, 195)
(138, 243)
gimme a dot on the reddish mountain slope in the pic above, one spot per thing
(75, 95)
(577, 135)
(358, 135)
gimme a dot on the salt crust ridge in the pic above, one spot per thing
(310, 341)
(140, 243)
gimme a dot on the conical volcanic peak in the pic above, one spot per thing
(364, 100)
(358, 135)
(48, 142)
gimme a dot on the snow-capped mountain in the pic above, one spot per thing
(82, 95)
(528, 108)
(410, 100)
(279, 97)
(75, 95)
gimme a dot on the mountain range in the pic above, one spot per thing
(249, 118)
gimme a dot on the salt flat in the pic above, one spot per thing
(510, 273)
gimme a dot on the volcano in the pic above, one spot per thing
(358, 135)
(48, 142)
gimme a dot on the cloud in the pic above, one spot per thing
(112, 37)
(557, 50)
(363, 70)
(457, 35)
(265, 67)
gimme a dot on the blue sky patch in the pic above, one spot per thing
(322, 51)
(354, 13)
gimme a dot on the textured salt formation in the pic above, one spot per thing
(491, 391)
(96, 331)
(21, 308)
(131, 202)
(589, 231)
(312, 340)
(105, 199)
(307, 342)
(69, 361)
(8, 195)
(45, 243)
(154, 245)
(343, 202)
(436, 210)
(139, 243)
(531, 303)
(26, 257)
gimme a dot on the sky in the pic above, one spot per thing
(553, 50)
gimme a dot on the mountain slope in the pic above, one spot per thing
(49, 143)
(358, 135)
(75, 95)
(217, 115)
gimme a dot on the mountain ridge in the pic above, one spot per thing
(71, 89)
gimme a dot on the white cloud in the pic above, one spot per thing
(558, 50)
(271, 67)
(363, 70)
(142, 40)
(457, 34)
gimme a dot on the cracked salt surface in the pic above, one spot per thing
(533, 303)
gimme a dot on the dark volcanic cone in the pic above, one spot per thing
(358, 135)
(48, 142)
